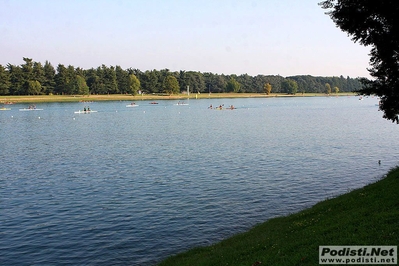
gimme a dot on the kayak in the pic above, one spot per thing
(85, 112)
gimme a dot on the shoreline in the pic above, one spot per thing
(364, 216)
(123, 97)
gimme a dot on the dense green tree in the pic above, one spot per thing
(375, 24)
(16, 79)
(103, 80)
(214, 82)
(289, 86)
(317, 84)
(233, 85)
(171, 85)
(258, 83)
(61, 80)
(38, 73)
(80, 86)
(275, 81)
(49, 75)
(33, 87)
(162, 75)
(122, 80)
(182, 79)
(27, 69)
(245, 81)
(150, 82)
(93, 81)
(71, 82)
(107, 83)
(80, 71)
(27, 74)
(196, 81)
(4, 81)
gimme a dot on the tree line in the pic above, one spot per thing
(35, 78)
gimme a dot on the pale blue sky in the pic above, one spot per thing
(269, 37)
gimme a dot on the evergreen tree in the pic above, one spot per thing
(16, 79)
(27, 74)
(4, 81)
(61, 80)
(122, 80)
(49, 75)
(93, 81)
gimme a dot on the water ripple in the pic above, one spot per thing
(132, 187)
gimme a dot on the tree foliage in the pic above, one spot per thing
(20, 80)
(289, 86)
(134, 84)
(268, 88)
(4, 81)
(81, 86)
(171, 85)
(375, 24)
(233, 85)
(328, 88)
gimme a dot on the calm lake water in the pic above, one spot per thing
(131, 186)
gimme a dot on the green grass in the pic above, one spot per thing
(366, 216)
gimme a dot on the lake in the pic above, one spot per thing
(131, 186)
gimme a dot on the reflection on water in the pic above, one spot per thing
(134, 185)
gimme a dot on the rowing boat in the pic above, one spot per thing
(132, 105)
(5, 109)
(85, 112)
(31, 109)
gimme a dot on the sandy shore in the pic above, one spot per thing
(122, 97)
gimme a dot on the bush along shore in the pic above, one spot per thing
(368, 216)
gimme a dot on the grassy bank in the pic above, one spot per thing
(127, 97)
(366, 216)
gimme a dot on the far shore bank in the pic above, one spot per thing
(126, 97)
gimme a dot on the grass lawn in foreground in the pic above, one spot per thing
(366, 216)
